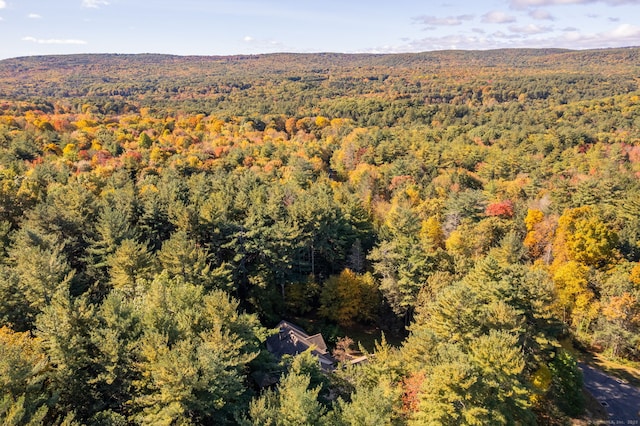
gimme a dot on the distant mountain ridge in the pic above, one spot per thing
(427, 77)
(286, 61)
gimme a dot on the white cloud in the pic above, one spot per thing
(500, 37)
(259, 44)
(626, 32)
(34, 16)
(529, 29)
(496, 17)
(529, 37)
(530, 3)
(94, 4)
(430, 20)
(3, 4)
(53, 41)
(451, 42)
(541, 15)
(519, 4)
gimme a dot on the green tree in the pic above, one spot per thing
(566, 385)
(384, 365)
(447, 396)
(130, 261)
(182, 257)
(456, 315)
(483, 386)
(144, 141)
(293, 404)
(399, 261)
(23, 368)
(501, 363)
(403, 270)
(369, 407)
(5, 230)
(39, 268)
(115, 339)
(66, 216)
(325, 233)
(154, 221)
(192, 366)
(13, 202)
(112, 228)
(64, 329)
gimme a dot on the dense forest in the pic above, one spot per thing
(159, 215)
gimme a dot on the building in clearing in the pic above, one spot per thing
(292, 340)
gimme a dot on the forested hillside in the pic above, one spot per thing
(159, 215)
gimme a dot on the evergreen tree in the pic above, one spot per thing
(39, 268)
(154, 221)
(293, 404)
(130, 262)
(182, 257)
(112, 228)
(64, 328)
(191, 366)
(116, 341)
(23, 368)
(369, 407)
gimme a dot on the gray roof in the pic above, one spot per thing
(292, 340)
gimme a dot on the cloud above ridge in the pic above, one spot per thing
(430, 20)
(94, 4)
(53, 40)
(521, 4)
(496, 17)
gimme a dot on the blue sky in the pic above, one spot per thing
(225, 27)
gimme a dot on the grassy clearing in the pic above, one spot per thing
(368, 335)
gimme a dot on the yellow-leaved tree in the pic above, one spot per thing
(576, 301)
(350, 297)
(583, 236)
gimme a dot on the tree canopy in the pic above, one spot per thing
(159, 215)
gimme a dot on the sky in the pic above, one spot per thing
(229, 27)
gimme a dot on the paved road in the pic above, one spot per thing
(621, 400)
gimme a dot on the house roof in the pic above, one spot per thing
(292, 340)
